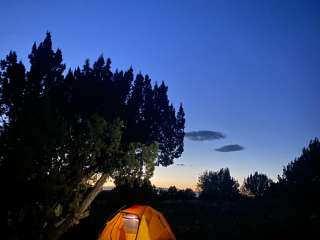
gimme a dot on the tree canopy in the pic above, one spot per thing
(306, 168)
(217, 185)
(257, 184)
(301, 177)
(59, 131)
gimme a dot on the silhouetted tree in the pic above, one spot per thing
(306, 168)
(301, 177)
(186, 194)
(257, 183)
(62, 136)
(217, 185)
(172, 193)
(136, 191)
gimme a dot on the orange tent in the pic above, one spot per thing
(137, 223)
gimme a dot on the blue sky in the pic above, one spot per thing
(248, 69)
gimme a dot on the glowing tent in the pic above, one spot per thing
(137, 223)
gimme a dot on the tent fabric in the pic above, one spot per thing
(137, 223)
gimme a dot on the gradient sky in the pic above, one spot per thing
(248, 69)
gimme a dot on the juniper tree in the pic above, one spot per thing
(63, 135)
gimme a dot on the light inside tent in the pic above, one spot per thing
(130, 223)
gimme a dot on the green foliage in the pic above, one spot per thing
(139, 165)
(217, 185)
(59, 131)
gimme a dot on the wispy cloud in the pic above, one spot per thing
(230, 148)
(204, 135)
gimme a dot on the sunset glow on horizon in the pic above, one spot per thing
(246, 72)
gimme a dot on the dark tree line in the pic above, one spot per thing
(61, 131)
(137, 192)
(300, 179)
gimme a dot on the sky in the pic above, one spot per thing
(249, 70)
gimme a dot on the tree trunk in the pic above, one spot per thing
(59, 229)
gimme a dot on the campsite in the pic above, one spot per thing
(282, 214)
(160, 120)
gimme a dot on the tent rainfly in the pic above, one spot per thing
(137, 223)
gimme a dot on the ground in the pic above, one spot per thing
(243, 218)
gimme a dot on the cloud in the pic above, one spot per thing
(180, 165)
(204, 135)
(230, 148)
